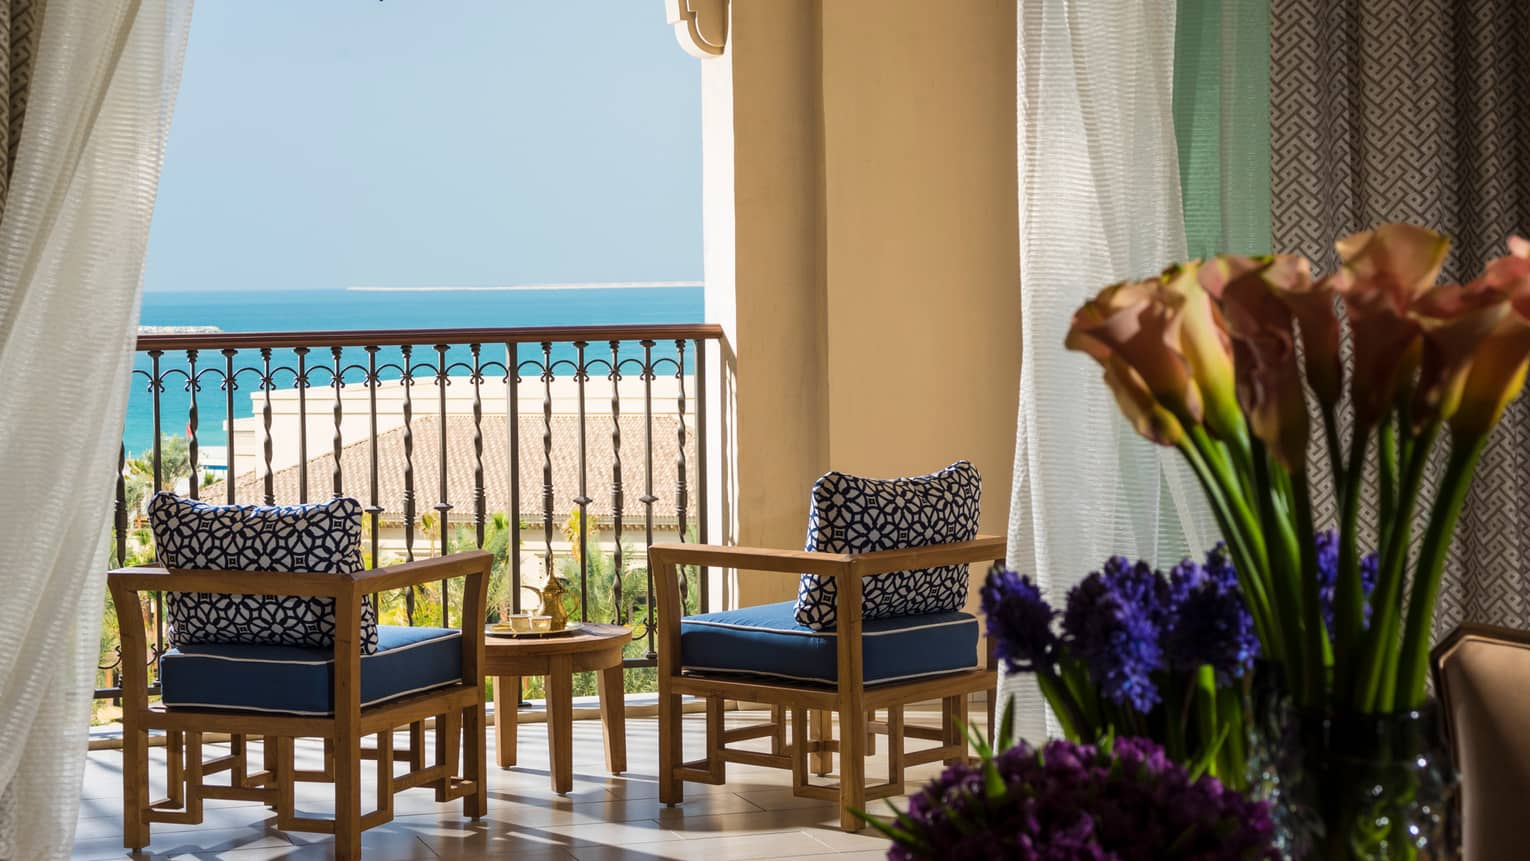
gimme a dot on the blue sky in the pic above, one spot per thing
(406, 143)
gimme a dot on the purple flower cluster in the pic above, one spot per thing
(1020, 622)
(1114, 623)
(1069, 801)
(1328, 575)
(1210, 624)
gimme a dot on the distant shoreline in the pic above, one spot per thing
(516, 288)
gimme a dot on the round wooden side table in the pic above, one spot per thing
(556, 659)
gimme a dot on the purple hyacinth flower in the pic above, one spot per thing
(1209, 624)
(1328, 576)
(1113, 622)
(1019, 621)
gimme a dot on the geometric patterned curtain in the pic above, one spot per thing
(1416, 110)
(20, 27)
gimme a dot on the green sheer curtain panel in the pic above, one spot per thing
(1222, 124)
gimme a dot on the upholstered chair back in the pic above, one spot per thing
(1482, 677)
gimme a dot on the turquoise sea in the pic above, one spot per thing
(309, 310)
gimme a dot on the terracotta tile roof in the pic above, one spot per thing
(355, 473)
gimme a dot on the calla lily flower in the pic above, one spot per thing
(1384, 271)
(1204, 343)
(1312, 303)
(1455, 320)
(1495, 378)
(1147, 416)
(1128, 326)
(1264, 343)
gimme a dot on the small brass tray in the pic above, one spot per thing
(497, 631)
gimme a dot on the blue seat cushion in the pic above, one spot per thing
(299, 680)
(767, 641)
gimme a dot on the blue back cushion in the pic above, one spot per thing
(320, 538)
(851, 514)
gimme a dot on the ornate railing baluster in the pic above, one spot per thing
(513, 398)
(648, 499)
(443, 506)
(230, 385)
(581, 376)
(120, 516)
(617, 607)
(547, 475)
(337, 440)
(301, 383)
(681, 502)
(266, 447)
(156, 386)
(374, 503)
(405, 382)
(479, 502)
(193, 450)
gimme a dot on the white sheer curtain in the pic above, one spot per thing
(1099, 202)
(72, 242)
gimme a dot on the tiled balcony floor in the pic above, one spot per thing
(754, 816)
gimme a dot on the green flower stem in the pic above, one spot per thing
(1387, 461)
(1065, 707)
(1284, 562)
(1248, 576)
(1349, 596)
(1335, 447)
(1238, 505)
(1413, 661)
(1374, 682)
(1317, 652)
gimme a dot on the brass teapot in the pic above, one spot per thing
(551, 597)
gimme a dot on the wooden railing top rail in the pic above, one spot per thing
(371, 337)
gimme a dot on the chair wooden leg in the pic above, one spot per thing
(448, 752)
(991, 704)
(282, 757)
(852, 767)
(268, 755)
(385, 773)
(135, 787)
(953, 717)
(671, 791)
(507, 704)
(175, 772)
(871, 734)
(194, 776)
(778, 734)
(799, 749)
(895, 747)
(417, 745)
(823, 730)
(613, 717)
(347, 764)
(475, 758)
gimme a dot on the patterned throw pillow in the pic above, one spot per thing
(861, 515)
(321, 538)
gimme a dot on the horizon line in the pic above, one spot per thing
(510, 288)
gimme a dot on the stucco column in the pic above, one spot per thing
(859, 170)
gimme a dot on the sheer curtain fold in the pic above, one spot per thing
(72, 241)
(1099, 202)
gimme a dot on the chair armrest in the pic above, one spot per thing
(755, 558)
(154, 579)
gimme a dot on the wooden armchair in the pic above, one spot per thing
(854, 701)
(456, 703)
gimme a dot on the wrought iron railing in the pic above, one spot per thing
(571, 368)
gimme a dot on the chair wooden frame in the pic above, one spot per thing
(458, 710)
(811, 707)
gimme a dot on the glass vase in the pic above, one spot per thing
(1353, 786)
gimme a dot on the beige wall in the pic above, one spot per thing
(862, 251)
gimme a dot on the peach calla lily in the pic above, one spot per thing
(1495, 378)
(1128, 327)
(1455, 320)
(1384, 271)
(1203, 342)
(1264, 342)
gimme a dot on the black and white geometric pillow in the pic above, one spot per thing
(861, 515)
(321, 538)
